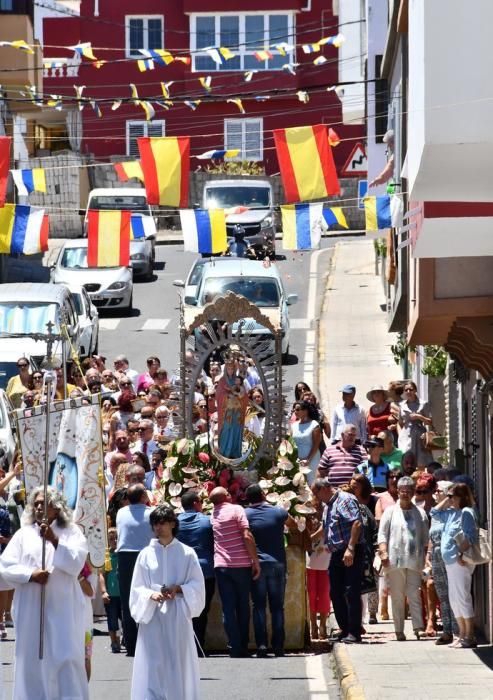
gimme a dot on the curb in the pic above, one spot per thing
(320, 333)
(351, 689)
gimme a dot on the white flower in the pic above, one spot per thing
(175, 489)
(304, 509)
(272, 497)
(265, 483)
(282, 481)
(171, 462)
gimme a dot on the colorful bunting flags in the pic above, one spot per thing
(165, 89)
(283, 48)
(290, 67)
(23, 230)
(378, 214)
(303, 96)
(141, 227)
(306, 163)
(236, 101)
(262, 55)
(18, 44)
(335, 215)
(311, 48)
(302, 226)
(336, 40)
(334, 139)
(129, 169)
(193, 104)
(28, 181)
(149, 110)
(108, 238)
(84, 49)
(248, 75)
(219, 154)
(206, 83)
(204, 230)
(320, 60)
(5, 142)
(161, 56)
(134, 93)
(144, 64)
(220, 55)
(165, 163)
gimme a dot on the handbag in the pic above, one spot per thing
(431, 440)
(477, 553)
(368, 578)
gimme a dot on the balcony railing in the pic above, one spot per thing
(61, 67)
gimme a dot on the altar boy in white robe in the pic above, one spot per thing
(167, 592)
(61, 674)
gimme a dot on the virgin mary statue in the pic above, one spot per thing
(232, 402)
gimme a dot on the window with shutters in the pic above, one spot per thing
(143, 32)
(137, 129)
(246, 135)
(244, 35)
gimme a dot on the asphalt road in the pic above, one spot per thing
(294, 677)
(154, 326)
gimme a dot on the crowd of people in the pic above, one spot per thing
(386, 522)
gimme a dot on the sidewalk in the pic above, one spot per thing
(381, 667)
(354, 347)
(354, 344)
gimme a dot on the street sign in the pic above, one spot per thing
(357, 163)
(362, 190)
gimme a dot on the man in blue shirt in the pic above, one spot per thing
(134, 533)
(267, 526)
(195, 530)
(374, 468)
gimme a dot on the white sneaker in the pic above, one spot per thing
(350, 639)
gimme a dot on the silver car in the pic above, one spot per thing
(107, 287)
(88, 320)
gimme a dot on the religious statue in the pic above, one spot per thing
(232, 402)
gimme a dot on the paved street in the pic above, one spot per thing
(153, 327)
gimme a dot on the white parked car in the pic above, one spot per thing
(261, 285)
(133, 199)
(107, 287)
(88, 320)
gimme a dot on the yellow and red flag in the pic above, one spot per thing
(306, 163)
(129, 169)
(165, 163)
(108, 238)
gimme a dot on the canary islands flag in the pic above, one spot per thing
(165, 163)
(382, 212)
(204, 230)
(28, 181)
(141, 227)
(129, 169)
(302, 226)
(335, 215)
(306, 163)
(108, 238)
(23, 229)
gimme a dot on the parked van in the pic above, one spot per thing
(25, 309)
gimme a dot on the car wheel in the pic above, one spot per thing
(149, 273)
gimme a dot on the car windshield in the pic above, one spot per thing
(27, 317)
(127, 202)
(226, 197)
(7, 370)
(260, 291)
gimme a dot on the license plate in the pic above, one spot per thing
(97, 297)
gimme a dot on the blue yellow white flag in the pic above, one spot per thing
(204, 230)
(302, 226)
(232, 153)
(28, 181)
(23, 230)
(141, 227)
(335, 215)
(383, 212)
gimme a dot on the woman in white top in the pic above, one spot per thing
(306, 434)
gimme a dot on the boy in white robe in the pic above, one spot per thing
(167, 591)
(60, 675)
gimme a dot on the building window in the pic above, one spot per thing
(136, 129)
(7, 5)
(245, 135)
(381, 102)
(244, 35)
(145, 32)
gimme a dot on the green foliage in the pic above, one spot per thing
(236, 167)
(435, 362)
(380, 245)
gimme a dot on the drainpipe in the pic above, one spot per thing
(96, 8)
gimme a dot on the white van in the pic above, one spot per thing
(132, 199)
(25, 309)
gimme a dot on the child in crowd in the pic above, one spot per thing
(108, 581)
(87, 580)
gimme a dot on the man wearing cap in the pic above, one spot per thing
(374, 468)
(339, 461)
(348, 412)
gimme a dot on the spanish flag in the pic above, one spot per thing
(5, 142)
(204, 230)
(129, 169)
(306, 163)
(165, 163)
(108, 238)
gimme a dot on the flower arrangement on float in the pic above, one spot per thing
(190, 464)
